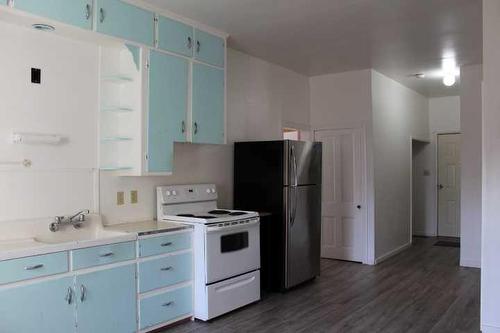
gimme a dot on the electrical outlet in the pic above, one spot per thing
(134, 197)
(120, 198)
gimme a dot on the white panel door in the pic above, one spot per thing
(343, 211)
(449, 185)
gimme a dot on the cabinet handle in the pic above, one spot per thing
(83, 293)
(183, 127)
(105, 255)
(189, 43)
(88, 11)
(169, 268)
(32, 268)
(69, 296)
(168, 303)
(102, 15)
(195, 127)
(166, 244)
(198, 46)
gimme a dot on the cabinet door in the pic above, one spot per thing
(208, 104)
(106, 301)
(175, 36)
(74, 12)
(209, 48)
(168, 94)
(120, 19)
(44, 307)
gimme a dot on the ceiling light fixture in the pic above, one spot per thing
(450, 71)
(418, 75)
(43, 27)
(449, 80)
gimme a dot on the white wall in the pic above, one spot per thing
(261, 99)
(62, 178)
(490, 268)
(444, 117)
(399, 114)
(471, 199)
(343, 100)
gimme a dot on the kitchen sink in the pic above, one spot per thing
(76, 235)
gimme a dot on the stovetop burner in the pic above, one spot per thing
(219, 212)
(186, 215)
(237, 213)
(205, 217)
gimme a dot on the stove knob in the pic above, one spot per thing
(167, 193)
(174, 192)
(213, 190)
(208, 190)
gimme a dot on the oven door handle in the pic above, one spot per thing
(235, 284)
(232, 227)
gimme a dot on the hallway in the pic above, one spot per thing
(420, 290)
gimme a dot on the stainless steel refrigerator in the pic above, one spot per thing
(282, 180)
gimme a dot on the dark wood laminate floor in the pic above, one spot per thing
(420, 290)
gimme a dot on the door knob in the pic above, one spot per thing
(440, 186)
(358, 206)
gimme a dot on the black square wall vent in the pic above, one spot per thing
(36, 75)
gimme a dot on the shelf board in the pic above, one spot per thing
(117, 109)
(119, 78)
(116, 139)
(116, 168)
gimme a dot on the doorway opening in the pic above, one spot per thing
(420, 182)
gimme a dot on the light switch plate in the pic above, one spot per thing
(120, 198)
(134, 197)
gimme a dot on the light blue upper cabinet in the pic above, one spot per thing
(175, 36)
(106, 301)
(74, 12)
(120, 19)
(209, 48)
(44, 307)
(208, 104)
(168, 96)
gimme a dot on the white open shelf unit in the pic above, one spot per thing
(120, 116)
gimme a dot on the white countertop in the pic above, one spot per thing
(34, 239)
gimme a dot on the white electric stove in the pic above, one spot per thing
(226, 247)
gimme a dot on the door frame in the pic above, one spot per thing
(368, 237)
(427, 142)
(436, 135)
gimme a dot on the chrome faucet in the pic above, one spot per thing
(75, 220)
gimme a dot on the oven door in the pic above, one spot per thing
(232, 250)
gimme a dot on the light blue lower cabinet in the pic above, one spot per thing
(164, 244)
(106, 301)
(103, 255)
(164, 307)
(43, 307)
(163, 272)
(33, 267)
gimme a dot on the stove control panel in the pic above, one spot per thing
(186, 193)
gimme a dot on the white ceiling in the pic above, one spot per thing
(312, 37)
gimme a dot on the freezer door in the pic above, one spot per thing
(303, 233)
(302, 163)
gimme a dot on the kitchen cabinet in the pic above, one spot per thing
(175, 36)
(168, 98)
(74, 12)
(208, 104)
(42, 307)
(33, 267)
(106, 301)
(209, 48)
(166, 306)
(123, 20)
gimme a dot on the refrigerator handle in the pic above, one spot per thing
(294, 186)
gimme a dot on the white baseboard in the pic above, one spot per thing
(470, 263)
(392, 253)
(490, 329)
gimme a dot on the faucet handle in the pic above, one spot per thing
(59, 219)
